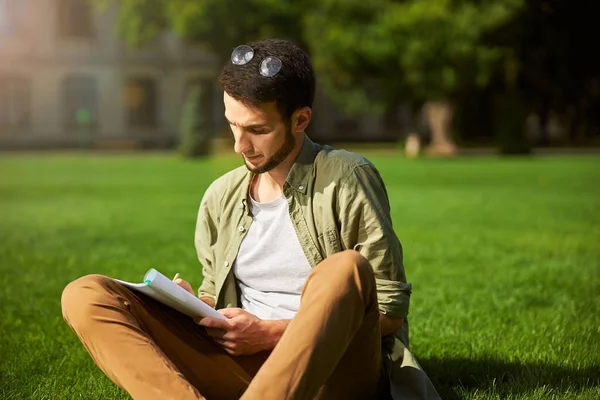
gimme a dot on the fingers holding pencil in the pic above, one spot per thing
(184, 284)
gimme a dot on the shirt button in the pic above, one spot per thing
(226, 263)
(301, 187)
(241, 229)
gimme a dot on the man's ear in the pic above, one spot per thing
(301, 119)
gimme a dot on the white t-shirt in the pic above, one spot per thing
(271, 267)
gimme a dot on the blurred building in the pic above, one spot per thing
(67, 80)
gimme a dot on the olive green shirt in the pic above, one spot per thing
(337, 201)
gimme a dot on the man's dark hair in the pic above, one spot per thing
(293, 87)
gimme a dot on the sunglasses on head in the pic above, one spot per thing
(269, 66)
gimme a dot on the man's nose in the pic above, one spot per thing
(242, 142)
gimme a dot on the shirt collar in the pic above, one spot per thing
(303, 167)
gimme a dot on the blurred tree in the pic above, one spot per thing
(373, 54)
(553, 40)
(219, 24)
(194, 135)
(369, 55)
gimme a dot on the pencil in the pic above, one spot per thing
(176, 276)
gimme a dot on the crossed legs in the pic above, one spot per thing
(331, 349)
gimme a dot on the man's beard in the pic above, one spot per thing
(279, 156)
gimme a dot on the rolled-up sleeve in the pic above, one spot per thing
(366, 226)
(393, 297)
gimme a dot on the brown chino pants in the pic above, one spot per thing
(331, 349)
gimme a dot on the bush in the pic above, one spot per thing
(194, 131)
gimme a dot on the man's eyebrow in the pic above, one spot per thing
(253, 126)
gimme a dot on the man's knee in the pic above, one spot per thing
(343, 273)
(344, 265)
(351, 261)
(79, 297)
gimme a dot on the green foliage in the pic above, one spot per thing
(220, 25)
(372, 53)
(195, 134)
(224, 24)
(138, 21)
(503, 256)
(369, 54)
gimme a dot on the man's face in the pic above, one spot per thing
(261, 135)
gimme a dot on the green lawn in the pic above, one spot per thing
(503, 254)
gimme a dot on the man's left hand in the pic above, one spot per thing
(242, 333)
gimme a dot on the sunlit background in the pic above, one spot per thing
(504, 74)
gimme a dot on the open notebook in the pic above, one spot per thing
(162, 289)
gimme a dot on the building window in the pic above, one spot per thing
(14, 103)
(140, 102)
(76, 19)
(80, 102)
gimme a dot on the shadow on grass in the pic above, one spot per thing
(451, 376)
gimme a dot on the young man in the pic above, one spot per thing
(298, 252)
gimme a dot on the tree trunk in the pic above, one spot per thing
(439, 118)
